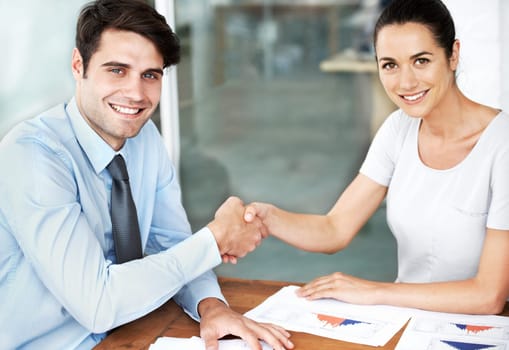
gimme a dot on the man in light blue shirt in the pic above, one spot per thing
(60, 286)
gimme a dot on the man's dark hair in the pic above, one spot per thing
(130, 15)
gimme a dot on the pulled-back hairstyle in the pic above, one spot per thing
(431, 13)
(130, 15)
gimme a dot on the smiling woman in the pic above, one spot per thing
(416, 71)
(451, 228)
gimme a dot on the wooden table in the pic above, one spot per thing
(243, 295)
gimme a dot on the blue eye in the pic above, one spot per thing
(149, 76)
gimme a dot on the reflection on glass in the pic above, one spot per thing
(36, 55)
(260, 120)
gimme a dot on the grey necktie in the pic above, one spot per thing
(124, 220)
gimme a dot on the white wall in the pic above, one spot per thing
(504, 33)
(481, 74)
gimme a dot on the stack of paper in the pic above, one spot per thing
(196, 343)
(362, 324)
(371, 325)
(437, 331)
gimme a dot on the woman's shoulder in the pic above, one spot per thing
(400, 123)
(499, 124)
(502, 117)
(495, 136)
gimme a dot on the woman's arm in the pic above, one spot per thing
(324, 233)
(486, 293)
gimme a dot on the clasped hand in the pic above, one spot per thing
(235, 236)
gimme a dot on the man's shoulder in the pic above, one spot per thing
(50, 128)
(49, 120)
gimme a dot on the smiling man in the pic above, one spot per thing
(63, 283)
(121, 86)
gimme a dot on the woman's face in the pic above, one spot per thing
(413, 69)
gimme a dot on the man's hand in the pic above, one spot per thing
(218, 320)
(234, 236)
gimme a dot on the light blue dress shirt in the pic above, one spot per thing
(59, 285)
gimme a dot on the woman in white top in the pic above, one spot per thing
(441, 162)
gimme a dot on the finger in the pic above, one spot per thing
(211, 343)
(278, 328)
(323, 280)
(312, 287)
(270, 335)
(318, 294)
(280, 334)
(321, 290)
(264, 231)
(259, 241)
(250, 339)
(307, 287)
(229, 259)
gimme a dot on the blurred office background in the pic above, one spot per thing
(278, 101)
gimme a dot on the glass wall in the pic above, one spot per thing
(277, 104)
(37, 39)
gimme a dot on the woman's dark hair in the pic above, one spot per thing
(130, 15)
(431, 13)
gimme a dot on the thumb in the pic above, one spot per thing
(250, 212)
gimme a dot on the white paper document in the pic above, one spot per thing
(196, 343)
(371, 325)
(441, 331)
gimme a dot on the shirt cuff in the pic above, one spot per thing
(198, 253)
(205, 285)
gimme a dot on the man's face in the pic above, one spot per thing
(122, 85)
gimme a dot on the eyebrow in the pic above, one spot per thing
(422, 53)
(125, 65)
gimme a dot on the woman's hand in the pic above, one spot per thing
(342, 287)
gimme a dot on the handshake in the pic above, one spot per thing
(238, 229)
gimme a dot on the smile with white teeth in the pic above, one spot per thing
(414, 97)
(125, 110)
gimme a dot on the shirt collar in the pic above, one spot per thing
(96, 149)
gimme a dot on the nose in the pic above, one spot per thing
(407, 79)
(133, 88)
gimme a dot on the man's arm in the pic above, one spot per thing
(63, 244)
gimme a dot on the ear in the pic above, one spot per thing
(77, 64)
(455, 56)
